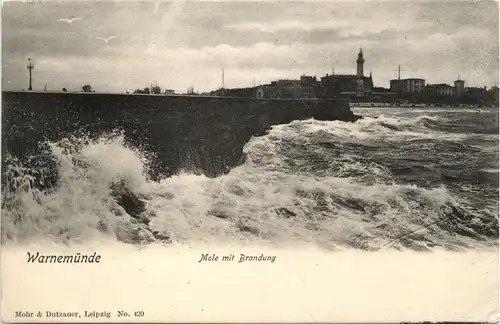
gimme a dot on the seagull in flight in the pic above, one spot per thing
(69, 21)
(106, 39)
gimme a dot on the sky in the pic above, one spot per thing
(186, 43)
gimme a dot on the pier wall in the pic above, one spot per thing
(181, 132)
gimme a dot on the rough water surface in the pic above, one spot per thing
(416, 179)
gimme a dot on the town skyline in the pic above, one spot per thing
(179, 44)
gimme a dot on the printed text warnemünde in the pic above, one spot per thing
(72, 258)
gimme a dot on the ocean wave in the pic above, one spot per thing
(388, 128)
(450, 110)
(489, 170)
(424, 110)
(102, 191)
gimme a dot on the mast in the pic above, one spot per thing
(399, 71)
(222, 77)
(30, 67)
(254, 90)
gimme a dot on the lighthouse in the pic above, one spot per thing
(360, 62)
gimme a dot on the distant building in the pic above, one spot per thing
(459, 88)
(356, 85)
(309, 87)
(474, 95)
(475, 89)
(330, 86)
(169, 92)
(398, 85)
(287, 89)
(308, 80)
(492, 97)
(267, 91)
(306, 87)
(407, 86)
(440, 90)
(360, 61)
(235, 92)
(383, 94)
(344, 84)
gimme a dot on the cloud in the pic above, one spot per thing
(350, 24)
(185, 43)
(286, 25)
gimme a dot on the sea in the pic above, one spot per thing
(417, 179)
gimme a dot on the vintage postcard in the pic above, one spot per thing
(250, 161)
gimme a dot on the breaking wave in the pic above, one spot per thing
(333, 184)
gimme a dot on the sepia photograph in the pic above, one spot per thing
(250, 161)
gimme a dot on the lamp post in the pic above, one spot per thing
(30, 67)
